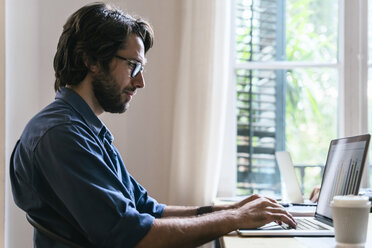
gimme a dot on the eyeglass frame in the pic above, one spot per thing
(137, 66)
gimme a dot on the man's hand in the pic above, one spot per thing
(314, 196)
(256, 211)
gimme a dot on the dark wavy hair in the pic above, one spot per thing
(93, 35)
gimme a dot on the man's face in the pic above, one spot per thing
(114, 89)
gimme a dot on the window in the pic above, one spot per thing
(288, 74)
(260, 113)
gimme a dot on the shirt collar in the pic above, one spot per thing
(78, 103)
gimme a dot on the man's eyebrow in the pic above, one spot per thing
(142, 61)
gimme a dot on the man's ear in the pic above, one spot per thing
(92, 66)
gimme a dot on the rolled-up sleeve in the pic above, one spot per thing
(109, 211)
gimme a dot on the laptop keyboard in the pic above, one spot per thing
(306, 224)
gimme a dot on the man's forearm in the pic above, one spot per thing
(181, 211)
(189, 231)
(192, 231)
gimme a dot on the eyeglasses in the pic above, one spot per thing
(136, 66)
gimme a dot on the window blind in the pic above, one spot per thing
(260, 95)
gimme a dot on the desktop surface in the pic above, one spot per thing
(233, 240)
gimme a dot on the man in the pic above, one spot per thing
(66, 173)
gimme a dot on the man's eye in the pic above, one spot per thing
(132, 65)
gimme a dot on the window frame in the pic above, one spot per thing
(352, 66)
(353, 71)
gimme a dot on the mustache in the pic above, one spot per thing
(131, 89)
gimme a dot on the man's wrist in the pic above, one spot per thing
(204, 210)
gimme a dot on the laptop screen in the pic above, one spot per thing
(343, 170)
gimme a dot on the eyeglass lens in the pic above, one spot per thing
(136, 69)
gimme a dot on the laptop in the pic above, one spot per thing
(342, 175)
(292, 190)
(293, 199)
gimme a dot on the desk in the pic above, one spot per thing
(235, 241)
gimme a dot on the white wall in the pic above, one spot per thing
(142, 134)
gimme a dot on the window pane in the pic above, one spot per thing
(311, 119)
(257, 30)
(259, 130)
(311, 29)
(310, 123)
(293, 30)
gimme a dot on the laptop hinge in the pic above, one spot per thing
(323, 219)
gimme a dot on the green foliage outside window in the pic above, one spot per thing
(311, 109)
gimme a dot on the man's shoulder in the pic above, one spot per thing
(56, 115)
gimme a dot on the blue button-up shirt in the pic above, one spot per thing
(66, 173)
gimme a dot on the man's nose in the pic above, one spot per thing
(139, 80)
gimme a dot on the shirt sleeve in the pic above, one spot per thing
(144, 203)
(72, 161)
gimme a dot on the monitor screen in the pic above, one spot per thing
(343, 172)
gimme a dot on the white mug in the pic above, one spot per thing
(350, 219)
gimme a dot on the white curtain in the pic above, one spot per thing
(200, 102)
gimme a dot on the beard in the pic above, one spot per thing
(108, 94)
